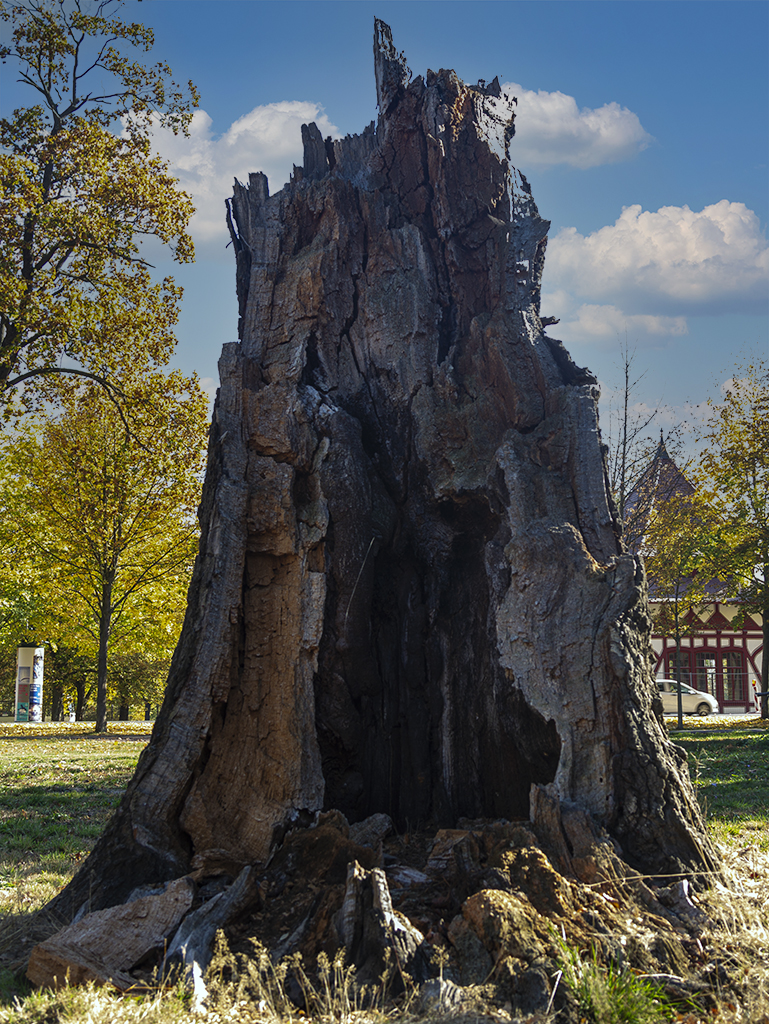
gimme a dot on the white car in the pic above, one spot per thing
(693, 702)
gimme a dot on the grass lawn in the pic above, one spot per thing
(729, 766)
(60, 783)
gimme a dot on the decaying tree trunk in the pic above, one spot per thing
(411, 596)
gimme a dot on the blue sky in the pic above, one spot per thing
(658, 108)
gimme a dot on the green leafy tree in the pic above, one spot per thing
(110, 514)
(141, 655)
(23, 608)
(733, 475)
(34, 614)
(81, 190)
(31, 615)
(137, 677)
(677, 543)
(70, 675)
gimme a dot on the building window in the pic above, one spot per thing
(734, 675)
(719, 673)
(706, 672)
(673, 671)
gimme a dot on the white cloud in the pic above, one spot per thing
(673, 261)
(209, 385)
(551, 129)
(605, 324)
(266, 139)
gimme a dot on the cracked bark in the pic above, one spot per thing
(411, 596)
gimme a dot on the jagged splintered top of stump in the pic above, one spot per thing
(411, 596)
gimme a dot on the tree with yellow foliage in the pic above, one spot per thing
(108, 516)
(677, 542)
(81, 190)
(733, 476)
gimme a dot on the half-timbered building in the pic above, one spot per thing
(721, 647)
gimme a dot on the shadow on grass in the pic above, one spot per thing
(54, 819)
(13, 986)
(58, 789)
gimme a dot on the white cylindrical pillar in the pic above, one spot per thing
(29, 684)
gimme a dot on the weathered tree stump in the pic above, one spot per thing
(411, 596)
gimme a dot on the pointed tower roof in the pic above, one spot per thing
(657, 484)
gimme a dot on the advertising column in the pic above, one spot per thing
(29, 684)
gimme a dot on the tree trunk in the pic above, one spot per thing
(105, 619)
(57, 703)
(765, 648)
(80, 702)
(411, 596)
(680, 703)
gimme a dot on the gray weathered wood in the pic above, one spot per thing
(103, 946)
(411, 596)
(373, 934)
(193, 941)
(192, 945)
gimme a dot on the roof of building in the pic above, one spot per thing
(659, 482)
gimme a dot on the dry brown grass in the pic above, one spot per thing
(739, 935)
(42, 850)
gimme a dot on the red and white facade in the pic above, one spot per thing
(718, 656)
(721, 652)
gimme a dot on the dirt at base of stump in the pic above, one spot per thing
(486, 910)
